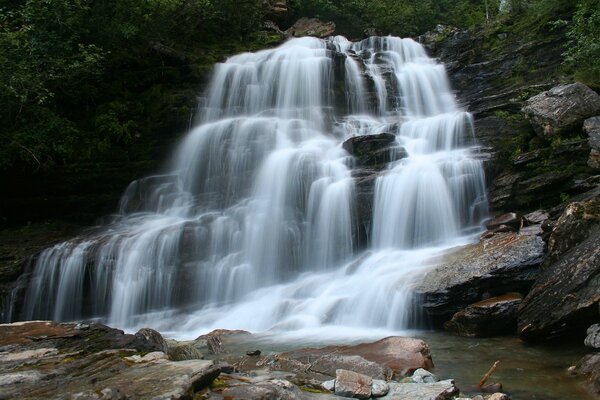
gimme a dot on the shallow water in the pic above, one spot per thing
(526, 372)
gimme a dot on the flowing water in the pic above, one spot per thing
(254, 226)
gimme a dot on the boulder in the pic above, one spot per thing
(184, 351)
(55, 361)
(329, 385)
(498, 396)
(492, 317)
(270, 389)
(560, 108)
(423, 376)
(400, 355)
(591, 126)
(575, 224)
(503, 263)
(379, 388)
(513, 220)
(593, 337)
(564, 300)
(588, 368)
(443, 390)
(352, 384)
(311, 27)
(153, 338)
(536, 217)
(325, 362)
(374, 150)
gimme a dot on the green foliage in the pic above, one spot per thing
(583, 51)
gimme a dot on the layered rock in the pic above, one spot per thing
(89, 361)
(503, 263)
(561, 108)
(491, 317)
(565, 298)
(311, 27)
(593, 337)
(591, 126)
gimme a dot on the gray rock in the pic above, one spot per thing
(562, 107)
(513, 220)
(351, 384)
(591, 126)
(536, 217)
(503, 263)
(423, 376)
(565, 297)
(272, 389)
(329, 385)
(379, 388)
(588, 368)
(498, 396)
(153, 338)
(184, 351)
(325, 362)
(492, 317)
(593, 337)
(443, 390)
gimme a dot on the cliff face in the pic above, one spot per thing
(494, 73)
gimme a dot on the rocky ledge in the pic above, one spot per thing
(42, 359)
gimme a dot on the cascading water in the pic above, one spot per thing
(254, 227)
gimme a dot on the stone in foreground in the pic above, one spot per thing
(352, 384)
(443, 390)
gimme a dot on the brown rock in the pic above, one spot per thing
(491, 317)
(509, 219)
(352, 384)
(311, 27)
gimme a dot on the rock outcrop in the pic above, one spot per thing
(374, 151)
(90, 361)
(565, 298)
(560, 108)
(492, 317)
(504, 263)
(591, 126)
(593, 337)
(311, 27)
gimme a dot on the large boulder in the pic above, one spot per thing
(503, 263)
(491, 317)
(374, 150)
(564, 300)
(311, 27)
(591, 126)
(593, 337)
(560, 108)
(352, 384)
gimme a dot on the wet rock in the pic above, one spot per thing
(253, 353)
(325, 362)
(513, 220)
(311, 27)
(443, 390)
(85, 360)
(588, 368)
(565, 297)
(491, 317)
(402, 355)
(271, 389)
(212, 342)
(423, 376)
(593, 337)
(379, 388)
(503, 263)
(575, 224)
(374, 150)
(562, 107)
(591, 126)
(352, 384)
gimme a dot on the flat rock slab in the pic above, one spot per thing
(506, 262)
(57, 361)
(402, 355)
(422, 391)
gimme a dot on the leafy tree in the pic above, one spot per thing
(583, 50)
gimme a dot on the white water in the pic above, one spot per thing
(254, 227)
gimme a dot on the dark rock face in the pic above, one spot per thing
(565, 298)
(492, 317)
(560, 108)
(591, 126)
(589, 369)
(56, 361)
(311, 27)
(503, 263)
(593, 337)
(374, 151)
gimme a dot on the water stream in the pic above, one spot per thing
(254, 225)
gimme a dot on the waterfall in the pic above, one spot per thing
(254, 224)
